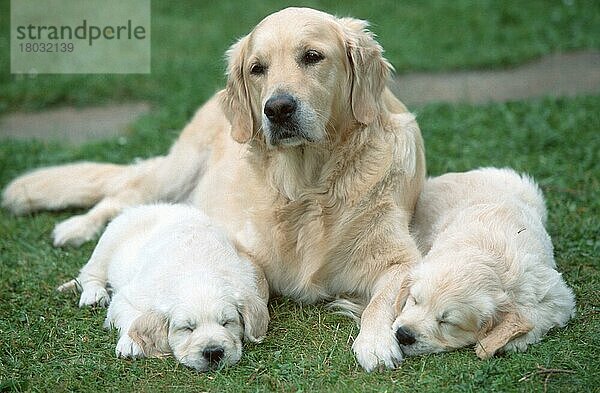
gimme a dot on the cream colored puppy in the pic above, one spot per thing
(489, 276)
(178, 287)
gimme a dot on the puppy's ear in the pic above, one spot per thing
(150, 332)
(255, 316)
(234, 99)
(402, 296)
(369, 69)
(496, 335)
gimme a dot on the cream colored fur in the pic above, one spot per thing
(325, 215)
(178, 287)
(488, 276)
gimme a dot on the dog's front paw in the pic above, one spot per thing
(94, 295)
(519, 344)
(377, 349)
(74, 231)
(127, 348)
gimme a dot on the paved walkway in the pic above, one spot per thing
(71, 124)
(555, 75)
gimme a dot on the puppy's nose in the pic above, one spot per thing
(213, 354)
(405, 336)
(280, 108)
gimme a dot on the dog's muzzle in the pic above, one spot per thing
(405, 336)
(279, 109)
(282, 112)
(213, 354)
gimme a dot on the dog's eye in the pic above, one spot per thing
(412, 300)
(228, 322)
(186, 329)
(312, 57)
(443, 319)
(257, 69)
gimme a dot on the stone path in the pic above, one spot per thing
(556, 75)
(73, 125)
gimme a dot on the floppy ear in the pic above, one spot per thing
(255, 316)
(496, 336)
(402, 296)
(369, 69)
(150, 332)
(234, 98)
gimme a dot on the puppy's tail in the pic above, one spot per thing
(351, 308)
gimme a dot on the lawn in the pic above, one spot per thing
(48, 344)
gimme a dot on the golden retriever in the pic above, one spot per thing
(488, 276)
(306, 158)
(178, 287)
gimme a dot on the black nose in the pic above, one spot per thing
(213, 354)
(280, 108)
(404, 336)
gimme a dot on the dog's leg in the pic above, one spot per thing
(82, 228)
(93, 277)
(92, 280)
(376, 343)
(112, 187)
(121, 315)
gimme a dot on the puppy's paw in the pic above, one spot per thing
(127, 348)
(75, 231)
(518, 344)
(94, 295)
(377, 349)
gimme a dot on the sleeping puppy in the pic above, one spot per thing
(178, 287)
(488, 277)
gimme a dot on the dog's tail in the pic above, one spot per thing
(351, 308)
(84, 184)
(53, 188)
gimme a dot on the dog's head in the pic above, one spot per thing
(301, 76)
(445, 304)
(203, 335)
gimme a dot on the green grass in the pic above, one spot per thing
(48, 344)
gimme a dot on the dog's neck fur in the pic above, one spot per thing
(308, 170)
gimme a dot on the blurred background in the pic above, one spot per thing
(189, 39)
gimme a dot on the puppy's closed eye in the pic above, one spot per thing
(228, 322)
(443, 320)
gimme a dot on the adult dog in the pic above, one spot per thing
(306, 157)
(488, 276)
(178, 287)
